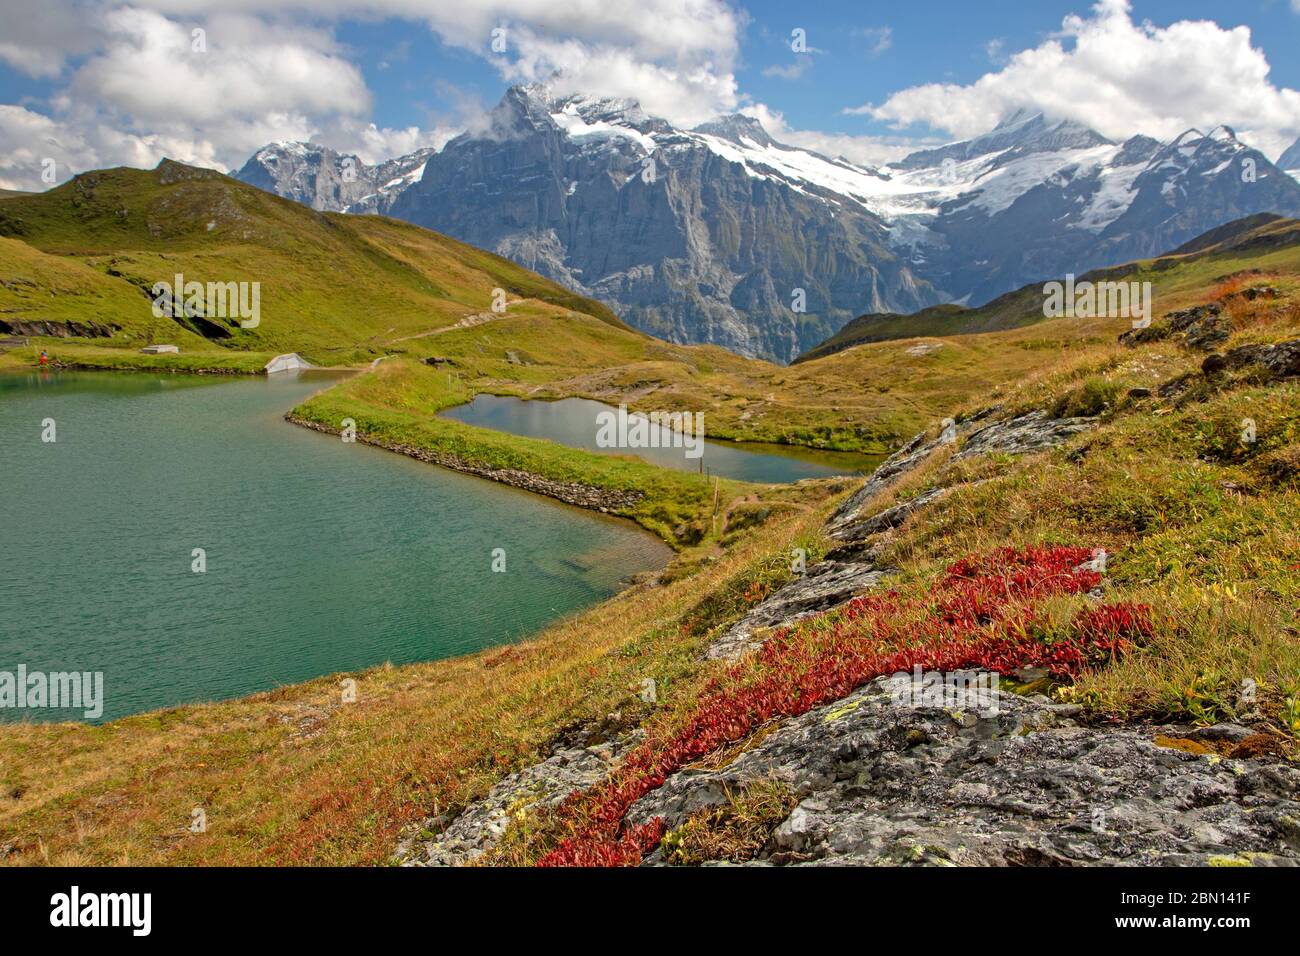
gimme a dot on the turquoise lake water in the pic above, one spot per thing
(321, 556)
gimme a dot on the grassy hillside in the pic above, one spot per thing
(865, 398)
(333, 287)
(1262, 235)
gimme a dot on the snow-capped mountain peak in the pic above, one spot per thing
(697, 245)
(1022, 132)
(737, 128)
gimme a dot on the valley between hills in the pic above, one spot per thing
(1068, 502)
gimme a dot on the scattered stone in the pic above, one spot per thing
(924, 348)
(1176, 386)
(1279, 361)
(1233, 732)
(1202, 327)
(1151, 333)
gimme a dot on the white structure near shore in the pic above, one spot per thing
(161, 349)
(289, 362)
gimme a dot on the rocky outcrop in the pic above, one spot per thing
(826, 585)
(58, 329)
(458, 839)
(851, 569)
(606, 500)
(890, 517)
(1202, 327)
(1280, 360)
(980, 434)
(1034, 431)
(886, 783)
(902, 461)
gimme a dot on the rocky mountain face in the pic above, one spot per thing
(722, 235)
(665, 225)
(318, 177)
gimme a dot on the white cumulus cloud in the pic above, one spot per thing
(1119, 77)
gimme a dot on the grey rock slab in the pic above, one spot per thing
(826, 585)
(1031, 432)
(884, 783)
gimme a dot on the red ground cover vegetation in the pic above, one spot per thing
(983, 614)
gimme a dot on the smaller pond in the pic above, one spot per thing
(575, 422)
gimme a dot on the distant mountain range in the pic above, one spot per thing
(1258, 235)
(720, 234)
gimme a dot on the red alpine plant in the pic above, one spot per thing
(981, 615)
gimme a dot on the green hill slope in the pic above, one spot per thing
(1260, 235)
(331, 286)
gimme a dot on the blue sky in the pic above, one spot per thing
(99, 82)
(870, 50)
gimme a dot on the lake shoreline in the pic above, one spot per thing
(94, 359)
(605, 501)
(270, 544)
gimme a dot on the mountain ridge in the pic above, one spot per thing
(705, 235)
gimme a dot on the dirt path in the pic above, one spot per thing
(468, 322)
